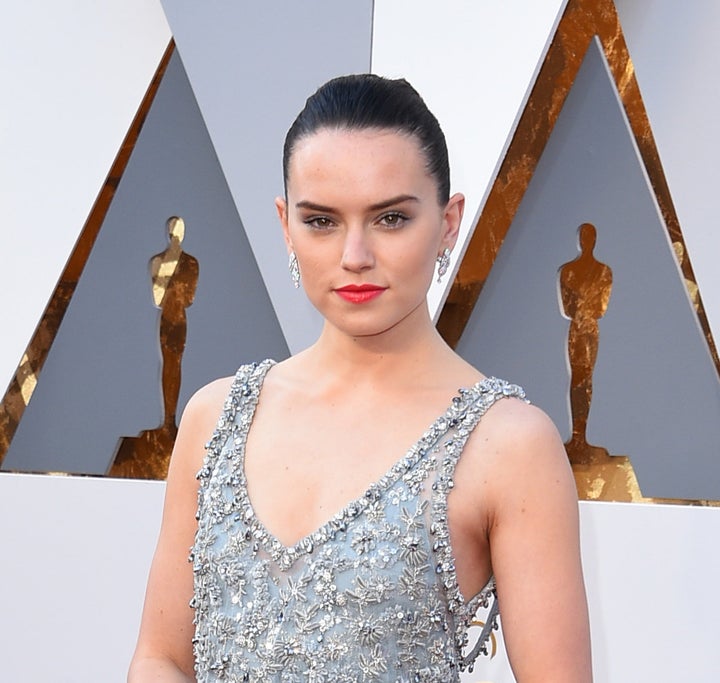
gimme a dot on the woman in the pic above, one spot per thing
(384, 500)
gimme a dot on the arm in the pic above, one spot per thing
(164, 647)
(534, 545)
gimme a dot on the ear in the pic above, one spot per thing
(281, 208)
(452, 217)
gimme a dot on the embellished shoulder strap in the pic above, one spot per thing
(247, 381)
(469, 407)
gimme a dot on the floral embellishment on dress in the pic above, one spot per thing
(372, 595)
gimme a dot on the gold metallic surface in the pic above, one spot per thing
(174, 274)
(691, 285)
(585, 286)
(19, 391)
(163, 266)
(599, 476)
(26, 378)
(146, 456)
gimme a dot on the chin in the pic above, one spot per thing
(367, 320)
(369, 328)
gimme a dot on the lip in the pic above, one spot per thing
(359, 294)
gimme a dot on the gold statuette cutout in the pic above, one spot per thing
(174, 274)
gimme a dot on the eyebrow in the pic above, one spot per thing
(305, 204)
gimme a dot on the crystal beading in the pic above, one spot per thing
(372, 595)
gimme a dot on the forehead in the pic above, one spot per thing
(365, 161)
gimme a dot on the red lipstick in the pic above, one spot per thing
(359, 294)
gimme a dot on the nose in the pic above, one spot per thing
(357, 251)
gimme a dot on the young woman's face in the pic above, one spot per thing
(363, 218)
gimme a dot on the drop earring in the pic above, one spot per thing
(443, 262)
(294, 270)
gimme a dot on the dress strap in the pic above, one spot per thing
(480, 647)
(246, 384)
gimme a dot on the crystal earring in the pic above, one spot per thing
(443, 262)
(294, 270)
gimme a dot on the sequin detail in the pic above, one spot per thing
(372, 595)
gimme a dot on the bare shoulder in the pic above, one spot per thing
(205, 405)
(520, 431)
(515, 452)
(197, 424)
(210, 397)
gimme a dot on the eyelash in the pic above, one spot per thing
(399, 217)
(324, 223)
(312, 223)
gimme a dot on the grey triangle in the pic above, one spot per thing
(656, 394)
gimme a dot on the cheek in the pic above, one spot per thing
(315, 257)
(417, 257)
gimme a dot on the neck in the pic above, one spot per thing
(409, 348)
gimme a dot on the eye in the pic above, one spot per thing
(392, 219)
(319, 222)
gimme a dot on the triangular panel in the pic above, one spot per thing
(101, 379)
(656, 393)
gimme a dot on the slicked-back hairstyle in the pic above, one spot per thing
(367, 101)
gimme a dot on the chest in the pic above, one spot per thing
(318, 459)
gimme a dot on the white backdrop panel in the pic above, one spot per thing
(71, 78)
(76, 554)
(673, 46)
(75, 558)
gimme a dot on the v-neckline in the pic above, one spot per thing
(285, 555)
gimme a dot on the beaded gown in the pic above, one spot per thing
(372, 595)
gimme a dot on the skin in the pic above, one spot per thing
(360, 209)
